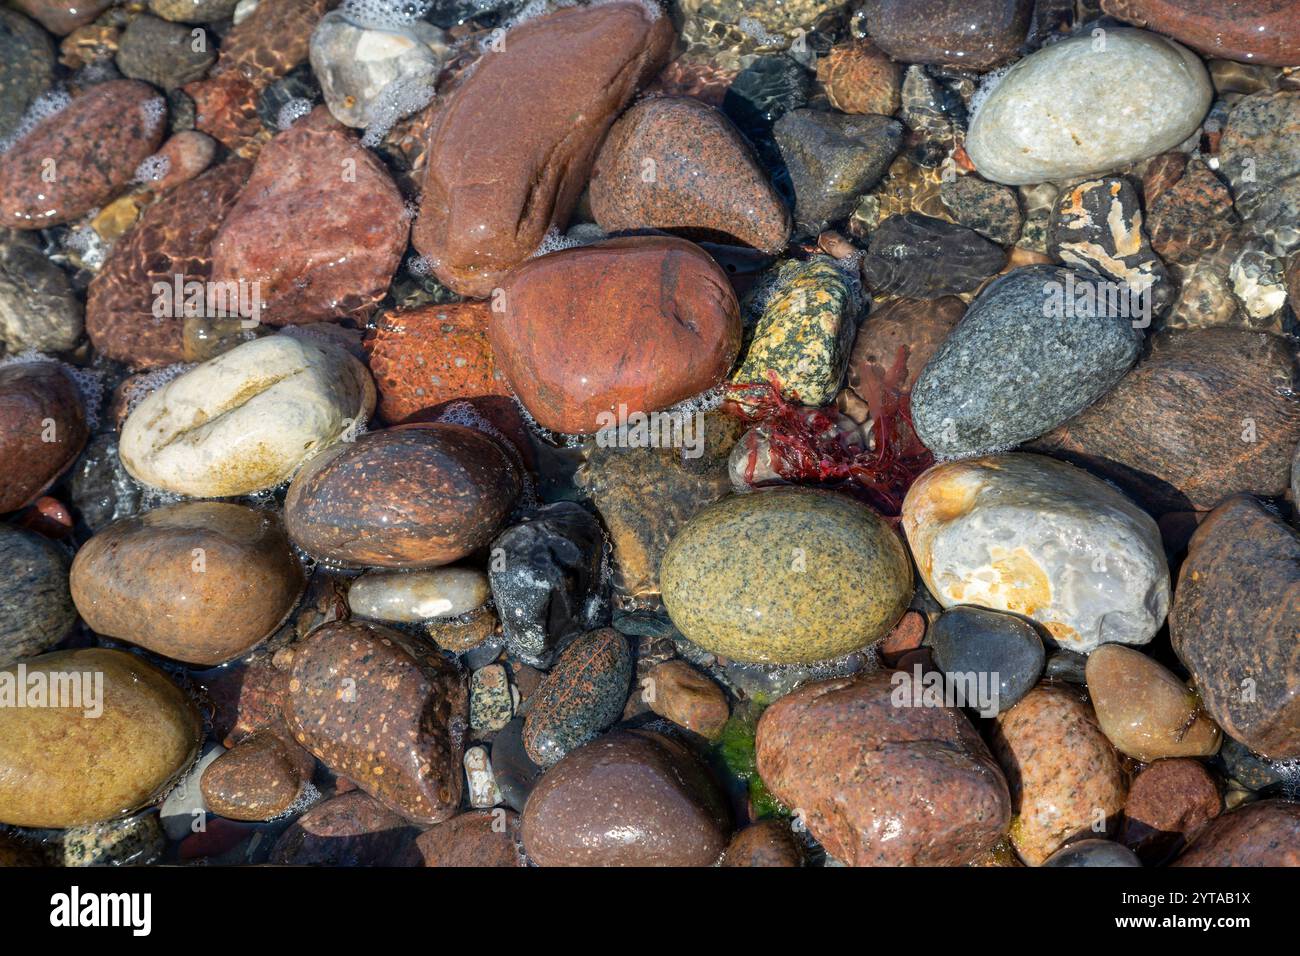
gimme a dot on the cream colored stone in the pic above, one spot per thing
(1088, 105)
(246, 420)
(413, 596)
(1038, 537)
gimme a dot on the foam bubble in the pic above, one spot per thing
(293, 110)
(402, 97)
(385, 14)
(50, 103)
(154, 110)
(988, 83)
(152, 169)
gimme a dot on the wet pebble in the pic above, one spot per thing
(1093, 853)
(162, 53)
(473, 840)
(26, 67)
(36, 609)
(919, 257)
(351, 829)
(1168, 804)
(42, 429)
(765, 843)
(688, 698)
(415, 596)
(582, 695)
(260, 778)
(968, 640)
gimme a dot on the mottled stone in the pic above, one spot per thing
(201, 582)
(1030, 352)
(70, 765)
(82, 156)
(991, 210)
(135, 841)
(1097, 227)
(61, 17)
(390, 714)
(351, 829)
(789, 575)
(969, 640)
(1037, 537)
(38, 309)
(1065, 776)
(460, 636)
(162, 53)
(1192, 216)
(260, 778)
(413, 597)
(1266, 833)
(1168, 804)
(628, 798)
(859, 78)
(880, 784)
(833, 158)
(1258, 153)
(26, 67)
(973, 34)
(473, 840)
(1255, 31)
(248, 419)
(804, 331)
(42, 429)
(491, 704)
(688, 698)
(765, 843)
(413, 496)
(1235, 621)
(590, 334)
(425, 356)
(320, 225)
(553, 88)
(581, 696)
(1144, 709)
(913, 328)
(1227, 423)
(481, 784)
(918, 257)
(193, 11)
(678, 164)
(1092, 853)
(547, 580)
(36, 610)
(1052, 116)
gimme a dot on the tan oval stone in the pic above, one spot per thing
(414, 596)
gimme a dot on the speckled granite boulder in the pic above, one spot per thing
(1235, 621)
(677, 163)
(1023, 359)
(1037, 537)
(1051, 116)
(787, 575)
(385, 711)
(1064, 775)
(36, 609)
(1266, 833)
(881, 784)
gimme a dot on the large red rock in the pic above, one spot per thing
(320, 225)
(42, 429)
(82, 156)
(169, 240)
(640, 322)
(1259, 834)
(1253, 31)
(1169, 803)
(512, 145)
(881, 784)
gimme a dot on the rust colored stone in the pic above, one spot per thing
(384, 711)
(259, 779)
(426, 356)
(61, 17)
(676, 163)
(582, 695)
(1168, 804)
(413, 496)
(765, 843)
(971, 34)
(320, 225)
(169, 240)
(689, 699)
(917, 325)
(351, 829)
(198, 581)
(1192, 217)
(512, 145)
(82, 156)
(859, 78)
(1266, 833)
(880, 784)
(474, 839)
(1253, 31)
(38, 401)
(907, 635)
(1161, 173)
(641, 323)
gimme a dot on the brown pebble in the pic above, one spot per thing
(765, 843)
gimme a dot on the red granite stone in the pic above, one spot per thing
(1253, 31)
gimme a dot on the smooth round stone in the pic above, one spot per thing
(688, 698)
(26, 67)
(96, 143)
(36, 610)
(1088, 105)
(38, 309)
(677, 163)
(414, 496)
(61, 768)
(1145, 710)
(1266, 833)
(162, 53)
(136, 841)
(1252, 31)
(42, 429)
(193, 11)
(1168, 804)
(1093, 853)
(1016, 366)
(582, 695)
(1041, 538)
(970, 34)
(246, 420)
(785, 576)
(414, 596)
(473, 840)
(968, 640)
(1061, 768)
(259, 778)
(629, 798)
(350, 829)
(920, 257)
(765, 843)
(61, 17)
(198, 581)
(859, 78)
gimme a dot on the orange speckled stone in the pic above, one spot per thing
(260, 778)
(426, 356)
(386, 712)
